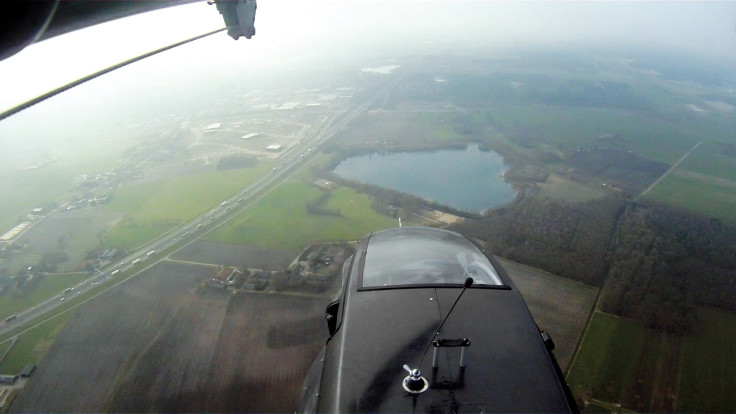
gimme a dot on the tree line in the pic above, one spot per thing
(653, 262)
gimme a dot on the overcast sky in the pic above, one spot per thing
(289, 30)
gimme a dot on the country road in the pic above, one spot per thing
(672, 168)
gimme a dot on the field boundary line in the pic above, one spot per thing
(426, 218)
(169, 259)
(10, 348)
(582, 338)
(618, 408)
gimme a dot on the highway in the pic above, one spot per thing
(152, 252)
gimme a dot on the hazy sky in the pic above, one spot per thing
(290, 30)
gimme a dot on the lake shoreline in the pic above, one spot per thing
(433, 176)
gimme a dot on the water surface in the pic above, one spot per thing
(468, 179)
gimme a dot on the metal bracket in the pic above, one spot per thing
(464, 343)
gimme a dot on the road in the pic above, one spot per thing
(181, 236)
(672, 168)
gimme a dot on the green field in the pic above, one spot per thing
(709, 365)
(14, 300)
(709, 158)
(711, 199)
(375, 130)
(577, 126)
(605, 361)
(704, 182)
(156, 207)
(622, 362)
(433, 127)
(280, 220)
(33, 344)
(559, 188)
(546, 125)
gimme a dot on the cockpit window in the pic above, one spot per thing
(418, 257)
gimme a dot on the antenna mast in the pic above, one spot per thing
(414, 382)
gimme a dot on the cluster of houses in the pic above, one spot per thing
(312, 271)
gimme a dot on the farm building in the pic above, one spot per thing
(226, 276)
(215, 283)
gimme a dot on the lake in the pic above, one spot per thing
(468, 179)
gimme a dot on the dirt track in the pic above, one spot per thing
(236, 255)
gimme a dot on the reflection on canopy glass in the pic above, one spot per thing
(418, 257)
